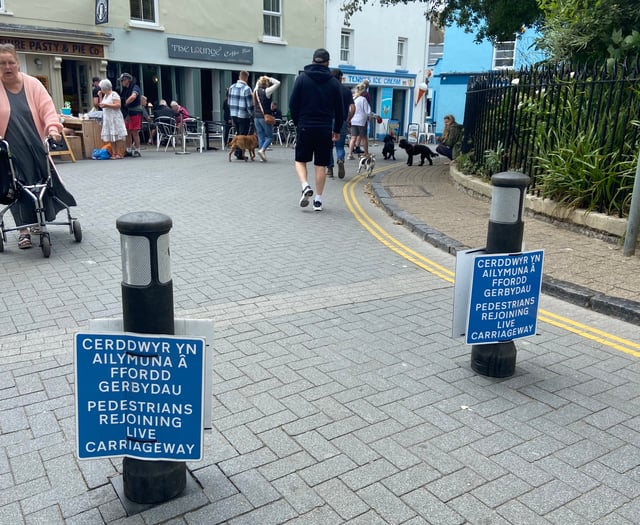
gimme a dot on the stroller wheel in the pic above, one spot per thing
(45, 244)
(77, 230)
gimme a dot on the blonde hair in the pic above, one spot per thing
(359, 90)
(264, 81)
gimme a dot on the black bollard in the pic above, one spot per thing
(504, 235)
(147, 308)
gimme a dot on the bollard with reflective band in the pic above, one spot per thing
(147, 308)
(504, 235)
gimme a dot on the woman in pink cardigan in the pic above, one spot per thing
(27, 117)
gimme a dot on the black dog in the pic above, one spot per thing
(388, 150)
(417, 149)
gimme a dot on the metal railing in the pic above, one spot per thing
(512, 113)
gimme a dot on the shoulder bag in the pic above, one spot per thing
(268, 118)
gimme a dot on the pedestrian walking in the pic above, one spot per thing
(241, 106)
(359, 121)
(263, 118)
(349, 110)
(317, 111)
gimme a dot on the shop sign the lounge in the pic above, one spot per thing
(32, 45)
(210, 51)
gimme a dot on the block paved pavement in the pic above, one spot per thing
(339, 394)
(588, 270)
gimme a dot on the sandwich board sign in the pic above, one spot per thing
(139, 395)
(496, 296)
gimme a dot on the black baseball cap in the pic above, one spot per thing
(320, 56)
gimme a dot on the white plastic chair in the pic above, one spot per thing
(428, 135)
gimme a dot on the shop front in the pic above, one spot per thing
(391, 97)
(195, 73)
(64, 61)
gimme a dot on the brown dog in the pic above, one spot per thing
(243, 142)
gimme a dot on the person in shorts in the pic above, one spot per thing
(317, 110)
(131, 97)
(359, 121)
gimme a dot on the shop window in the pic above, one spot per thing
(428, 105)
(504, 55)
(436, 44)
(345, 46)
(272, 16)
(401, 59)
(145, 11)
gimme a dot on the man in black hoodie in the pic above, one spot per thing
(315, 105)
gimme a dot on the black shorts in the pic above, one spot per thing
(314, 144)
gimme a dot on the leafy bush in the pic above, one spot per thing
(570, 129)
(581, 174)
(581, 170)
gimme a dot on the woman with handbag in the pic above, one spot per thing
(263, 117)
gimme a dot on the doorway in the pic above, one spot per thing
(76, 86)
(398, 107)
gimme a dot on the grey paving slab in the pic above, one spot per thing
(451, 214)
(339, 395)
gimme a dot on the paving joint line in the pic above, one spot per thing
(624, 309)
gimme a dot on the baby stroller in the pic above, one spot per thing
(48, 197)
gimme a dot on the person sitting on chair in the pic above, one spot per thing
(275, 111)
(181, 113)
(163, 110)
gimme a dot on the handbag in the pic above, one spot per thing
(268, 118)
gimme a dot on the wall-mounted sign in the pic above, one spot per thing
(50, 47)
(379, 80)
(102, 11)
(210, 51)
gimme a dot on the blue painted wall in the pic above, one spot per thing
(462, 57)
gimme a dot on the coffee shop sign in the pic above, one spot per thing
(210, 51)
(379, 80)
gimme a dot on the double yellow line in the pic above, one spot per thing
(588, 332)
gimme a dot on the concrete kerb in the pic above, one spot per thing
(579, 295)
(420, 228)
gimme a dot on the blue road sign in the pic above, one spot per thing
(505, 293)
(139, 396)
